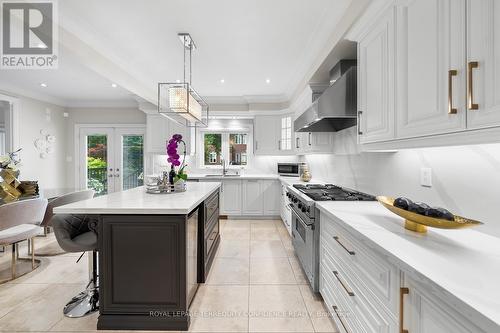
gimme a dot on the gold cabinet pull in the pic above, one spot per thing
(343, 246)
(451, 74)
(336, 310)
(470, 84)
(347, 290)
(402, 292)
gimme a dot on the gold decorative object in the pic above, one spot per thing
(419, 223)
(9, 186)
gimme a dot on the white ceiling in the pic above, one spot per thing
(242, 41)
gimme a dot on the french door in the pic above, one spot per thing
(111, 159)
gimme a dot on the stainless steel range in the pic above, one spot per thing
(305, 221)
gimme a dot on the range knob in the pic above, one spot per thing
(295, 200)
(287, 195)
(300, 205)
(303, 209)
(308, 209)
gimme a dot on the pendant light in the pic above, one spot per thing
(179, 101)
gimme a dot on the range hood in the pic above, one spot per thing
(336, 108)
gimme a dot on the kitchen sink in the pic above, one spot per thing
(221, 176)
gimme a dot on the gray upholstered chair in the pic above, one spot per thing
(20, 221)
(60, 201)
(77, 233)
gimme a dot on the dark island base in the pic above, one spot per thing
(160, 322)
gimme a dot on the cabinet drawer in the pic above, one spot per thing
(210, 240)
(211, 206)
(377, 275)
(356, 298)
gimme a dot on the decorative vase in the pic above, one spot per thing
(180, 185)
(305, 175)
(9, 186)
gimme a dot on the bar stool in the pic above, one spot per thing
(77, 233)
(49, 214)
(19, 221)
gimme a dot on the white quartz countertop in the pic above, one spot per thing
(463, 264)
(137, 201)
(244, 176)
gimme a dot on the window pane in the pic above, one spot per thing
(238, 149)
(213, 147)
(97, 161)
(133, 163)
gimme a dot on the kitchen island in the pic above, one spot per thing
(150, 254)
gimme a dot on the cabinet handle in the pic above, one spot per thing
(297, 143)
(402, 292)
(279, 144)
(347, 290)
(336, 310)
(359, 123)
(256, 145)
(451, 74)
(470, 91)
(309, 138)
(343, 246)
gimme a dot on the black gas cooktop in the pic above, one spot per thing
(330, 192)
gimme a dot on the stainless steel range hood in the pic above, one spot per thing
(336, 108)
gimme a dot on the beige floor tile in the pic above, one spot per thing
(237, 224)
(299, 274)
(229, 271)
(320, 317)
(278, 308)
(264, 233)
(271, 271)
(87, 323)
(12, 295)
(263, 224)
(42, 310)
(220, 309)
(235, 233)
(58, 269)
(267, 249)
(233, 248)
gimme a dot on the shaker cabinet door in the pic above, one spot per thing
(430, 57)
(483, 63)
(376, 82)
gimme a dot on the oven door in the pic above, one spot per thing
(302, 240)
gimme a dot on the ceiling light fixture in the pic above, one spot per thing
(43, 85)
(114, 85)
(179, 101)
(268, 81)
(222, 80)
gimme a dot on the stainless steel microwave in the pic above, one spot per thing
(289, 169)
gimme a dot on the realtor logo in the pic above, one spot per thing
(29, 34)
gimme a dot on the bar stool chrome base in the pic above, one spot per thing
(83, 304)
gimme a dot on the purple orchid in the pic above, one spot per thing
(173, 156)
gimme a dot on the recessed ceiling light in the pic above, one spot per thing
(222, 81)
(44, 85)
(268, 81)
(114, 85)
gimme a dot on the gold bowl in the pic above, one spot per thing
(419, 223)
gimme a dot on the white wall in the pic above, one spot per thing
(466, 179)
(95, 116)
(35, 116)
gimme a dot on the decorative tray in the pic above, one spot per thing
(419, 223)
(166, 189)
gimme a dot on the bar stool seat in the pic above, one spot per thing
(19, 233)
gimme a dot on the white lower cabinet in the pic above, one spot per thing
(249, 197)
(253, 197)
(424, 312)
(364, 290)
(231, 197)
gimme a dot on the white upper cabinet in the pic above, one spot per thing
(431, 74)
(273, 135)
(376, 81)
(483, 63)
(160, 129)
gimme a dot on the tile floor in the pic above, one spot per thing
(255, 285)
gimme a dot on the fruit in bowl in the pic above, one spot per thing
(423, 209)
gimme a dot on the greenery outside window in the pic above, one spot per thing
(230, 146)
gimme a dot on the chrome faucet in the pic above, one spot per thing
(223, 163)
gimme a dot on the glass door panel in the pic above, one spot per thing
(132, 161)
(96, 163)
